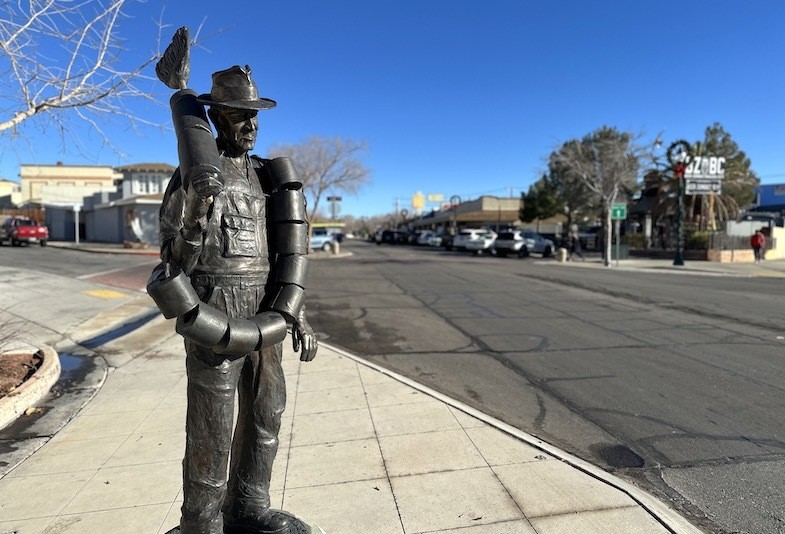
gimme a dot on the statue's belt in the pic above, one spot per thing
(229, 280)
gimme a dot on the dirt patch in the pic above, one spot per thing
(15, 369)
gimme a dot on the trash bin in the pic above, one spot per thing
(561, 254)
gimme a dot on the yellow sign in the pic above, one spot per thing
(418, 201)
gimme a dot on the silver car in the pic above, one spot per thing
(520, 243)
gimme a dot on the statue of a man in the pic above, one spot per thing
(227, 231)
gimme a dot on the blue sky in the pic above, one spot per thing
(467, 97)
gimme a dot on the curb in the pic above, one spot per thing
(329, 256)
(31, 390)
(154, 252)
(665, 515)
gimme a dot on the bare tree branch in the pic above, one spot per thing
(608, 162)
(327, 164)
(62, 55)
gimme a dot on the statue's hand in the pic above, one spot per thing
(195, 216)
(303, 336)
(206, 184)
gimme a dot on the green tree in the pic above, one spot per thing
(539, 202)
(738, 187)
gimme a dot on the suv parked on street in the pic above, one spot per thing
(522, 244)
(463, 237)
(510, 242)
(322, 239)
(482, 244)
(536, 243)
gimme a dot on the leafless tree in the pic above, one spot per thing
(607, 161)
(327, 165)
(60, 61)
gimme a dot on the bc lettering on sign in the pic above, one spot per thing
(709, 167)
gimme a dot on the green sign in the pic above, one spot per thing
(618, 212)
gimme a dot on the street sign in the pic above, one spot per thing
(706, 167)
(333, 198)
(618, 211)
(702, 187)
(418, 201)
(704, 175)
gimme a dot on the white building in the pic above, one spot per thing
(145, 178)
(102, 214)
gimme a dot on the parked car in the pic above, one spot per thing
(463, 237)
(435, 240)
(322, 239)
(511, 242)
(430, 239)
(17, 230)
(413, 238)
(483, 243)
(392, 237)
(536, 243)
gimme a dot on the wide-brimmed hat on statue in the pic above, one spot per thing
(234, 88)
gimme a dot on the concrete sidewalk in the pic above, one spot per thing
(362, 451)
(768, 268)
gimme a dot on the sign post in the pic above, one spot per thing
(335, 207)
(77, 209)
(680, 156)
(454, 201)
(618, 214)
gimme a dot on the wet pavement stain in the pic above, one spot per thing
(617, 455)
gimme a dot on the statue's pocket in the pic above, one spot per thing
(239, 236)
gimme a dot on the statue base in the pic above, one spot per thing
(298, 525)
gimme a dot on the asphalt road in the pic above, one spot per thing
(674, 381)
(670, 380)
(71, 263)
(53, 291)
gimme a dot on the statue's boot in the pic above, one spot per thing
(270, 522)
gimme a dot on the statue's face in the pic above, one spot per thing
(239, 128)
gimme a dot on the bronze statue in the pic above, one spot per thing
(233, 269)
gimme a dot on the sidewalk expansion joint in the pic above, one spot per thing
(659, 511)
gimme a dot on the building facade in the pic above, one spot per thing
(63, 185)
(145, 178)
(101, 214)
(9, 193)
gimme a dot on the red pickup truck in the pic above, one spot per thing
(17, 230)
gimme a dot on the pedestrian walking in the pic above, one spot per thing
(575, 246)
(758, 242)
